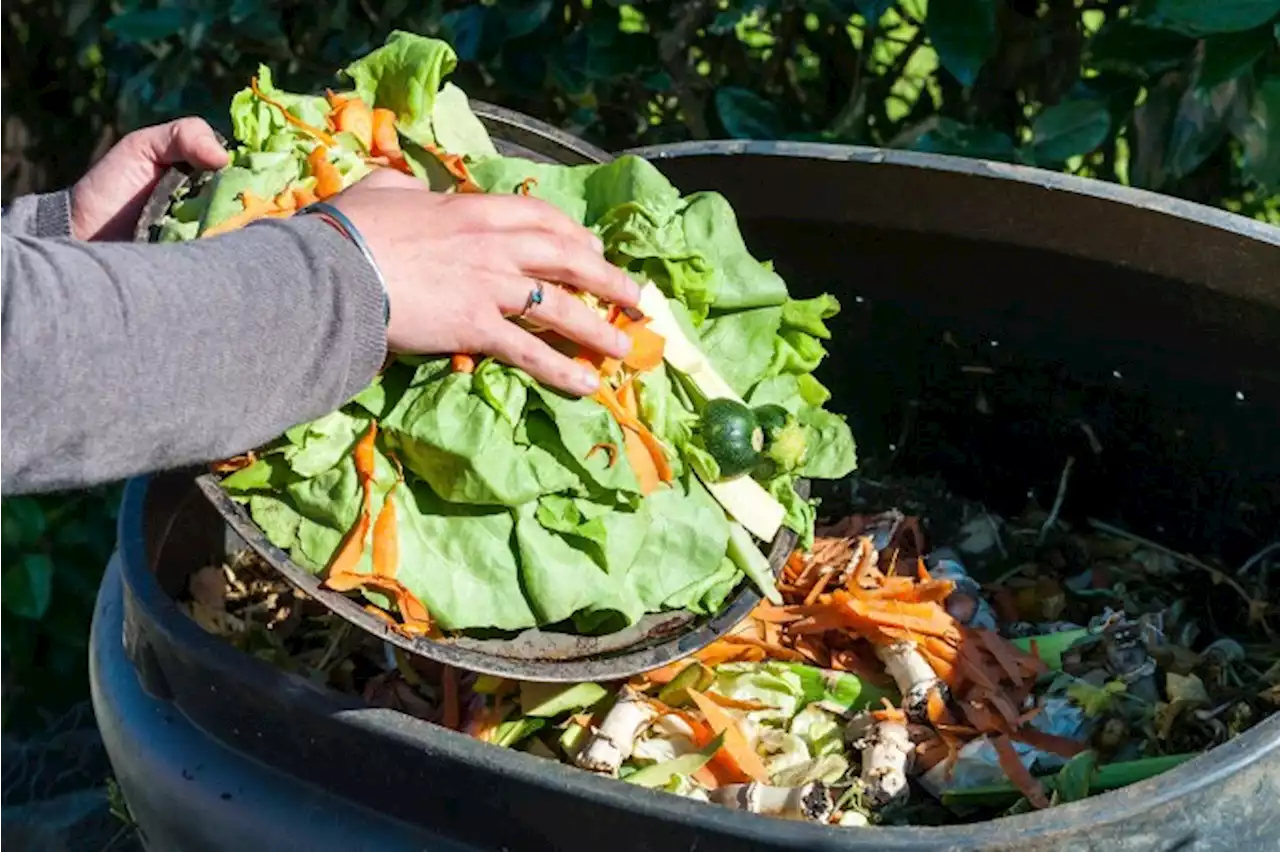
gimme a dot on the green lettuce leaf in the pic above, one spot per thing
(456, 127)
(264, 174)
(404, 76)
(740, 345)
(560, 580)
(461, 447)
(675, 538)
(801, 513)
(258, 126)
(831, 452)
(808, 315)
(583, 426)
(739, 281)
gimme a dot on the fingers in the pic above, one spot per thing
(517, 347)
(553, 257)
(561, 311)
(515, 213)
(187, 140)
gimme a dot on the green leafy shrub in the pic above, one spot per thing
(53, 554)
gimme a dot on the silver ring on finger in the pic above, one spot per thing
(536, 296)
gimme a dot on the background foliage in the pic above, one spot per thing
(1179, 96)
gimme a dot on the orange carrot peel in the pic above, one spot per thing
(341, 574)
(315, 132)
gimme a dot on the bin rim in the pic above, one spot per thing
(1031, 175)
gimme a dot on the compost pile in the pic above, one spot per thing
(896, 672)
(890, 687)
(457, 494)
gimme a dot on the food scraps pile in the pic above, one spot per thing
(888, 687)
(457, 494)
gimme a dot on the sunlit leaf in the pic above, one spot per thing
(1095, 700)
(965, 34)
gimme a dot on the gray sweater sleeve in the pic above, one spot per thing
(123, 358)
(44, 215)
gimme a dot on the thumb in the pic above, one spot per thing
(186, 140)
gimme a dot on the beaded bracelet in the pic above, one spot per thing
(348, 229)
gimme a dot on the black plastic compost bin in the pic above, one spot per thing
(1154, 322)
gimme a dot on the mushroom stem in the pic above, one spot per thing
(614, 740)
(913, 675)
(886, 754)
(811, 801)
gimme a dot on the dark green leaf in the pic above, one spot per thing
(523, 69)
(873, 10)
(27, 584)
(1258, 136)
(148, 24)
(725, 21)
(1199, 126)
(1109, 777)
(1131, 48)
(1229, 55)
(520, 19)
(78, 11)
(1073, 780)
(1069, 128)
(1149, 138)
(964, 33)
(242, 10)
(264, 26)
(24, 521)
(963, 140)
(1117, 91)
(1208, 17)
(466, 30)
(658, 81)
(746, 115)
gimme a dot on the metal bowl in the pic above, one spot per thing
(534, 654)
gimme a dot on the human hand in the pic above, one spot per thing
(106, 202)
(458, 266)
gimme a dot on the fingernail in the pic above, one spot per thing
(622, 342)
(587, 382)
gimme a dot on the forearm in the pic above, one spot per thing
(122, 358)
(46, 215)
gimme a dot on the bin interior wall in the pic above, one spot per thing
(1161, 334)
